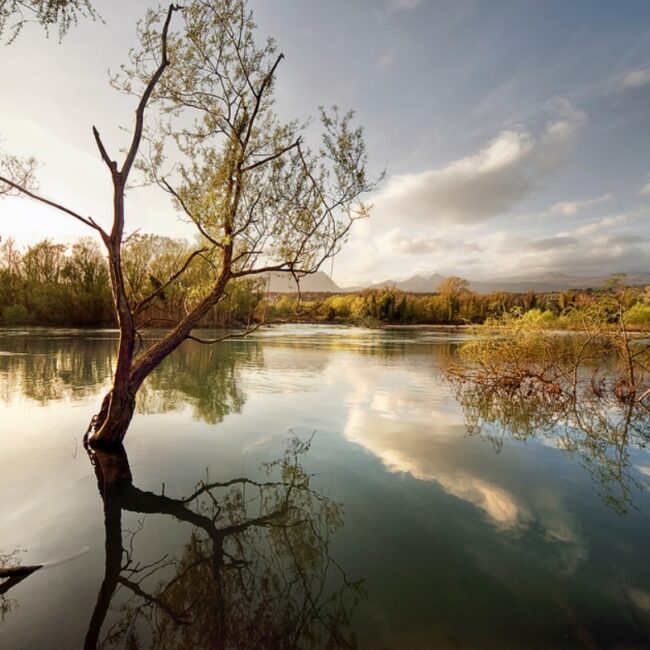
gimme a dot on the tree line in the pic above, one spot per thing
(55, 284)
(455, 304)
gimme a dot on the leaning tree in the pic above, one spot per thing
(265, 195)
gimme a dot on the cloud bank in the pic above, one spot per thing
(485, 184)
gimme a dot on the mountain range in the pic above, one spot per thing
(519, 284)
(321, 282)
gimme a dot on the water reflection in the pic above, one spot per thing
(602, 433)
(12, 573)
(54, 365)
(459, 546)
(256, 571)
(422, 434)
(207, 379)
(50, 367)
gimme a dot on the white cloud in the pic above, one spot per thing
(422, 433)
(573, 253)
(570, 208)
(484, 184)
(602, 224)
(615, 243)
(637, 78)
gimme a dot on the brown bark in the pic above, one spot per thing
(19, 571)
(109, 426)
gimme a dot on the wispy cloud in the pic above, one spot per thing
(601, 246)
(570, 208)
(597, 254)
(552, 243)
(637, 79)
(603, 224)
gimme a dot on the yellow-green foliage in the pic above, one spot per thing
(512, 339)
(342, 305)
(539, 318)
(639, 314)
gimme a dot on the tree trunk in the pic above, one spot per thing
(108, 427)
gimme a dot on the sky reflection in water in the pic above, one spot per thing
(456, 545)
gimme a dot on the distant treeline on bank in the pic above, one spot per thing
(58, 285)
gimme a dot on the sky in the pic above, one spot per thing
(514, 134)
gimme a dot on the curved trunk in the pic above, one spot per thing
(113, 429)
(109, 426)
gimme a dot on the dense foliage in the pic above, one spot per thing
(54, 284)
(553, 310)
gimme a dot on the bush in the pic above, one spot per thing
(16, 315)
(639, 314)
(538, 318)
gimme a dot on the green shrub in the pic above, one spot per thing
(639, 314)
(16, 315)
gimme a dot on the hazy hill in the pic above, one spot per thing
(317, 282)
(551, 282)
(414, 284)
(321, 282)
(520, 284)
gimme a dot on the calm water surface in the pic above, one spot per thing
(409, 533)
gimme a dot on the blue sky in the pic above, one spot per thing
(515, 134)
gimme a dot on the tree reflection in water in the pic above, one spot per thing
(588, 394)
(256, 571)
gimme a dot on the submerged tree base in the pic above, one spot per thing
(109, 425)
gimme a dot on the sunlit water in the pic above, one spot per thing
(444, 543)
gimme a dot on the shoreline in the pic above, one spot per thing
(394, 327)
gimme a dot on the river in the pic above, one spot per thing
(386, 526)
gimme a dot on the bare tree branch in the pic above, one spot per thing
(88, 221)
(225, 337)
(145, 301)
(271, 158)
(139, 113)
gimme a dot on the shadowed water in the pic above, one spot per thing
(392, 528)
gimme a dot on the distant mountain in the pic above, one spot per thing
(414, 284)
(321, 282)
(552, 282)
